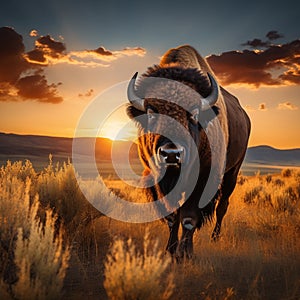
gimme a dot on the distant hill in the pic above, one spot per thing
(14, 144)
(271, 156)
(37, 149)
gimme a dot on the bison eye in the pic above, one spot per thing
(195, 115)
(150, 114)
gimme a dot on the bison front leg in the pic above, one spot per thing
(173, 223)
(185, 247)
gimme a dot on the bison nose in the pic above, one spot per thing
(171, 154)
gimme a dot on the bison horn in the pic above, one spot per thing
(135, 100)
(210, 100)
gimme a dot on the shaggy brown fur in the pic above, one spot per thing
(191, 77)
(226, 122)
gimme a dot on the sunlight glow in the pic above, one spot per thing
(118, 130)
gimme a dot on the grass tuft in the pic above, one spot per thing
(132, 274)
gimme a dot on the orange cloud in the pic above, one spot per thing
(8, 92)
(139, 51)
(49, 51)
(101, 56)
(19, 79)
(262, 107)
(22, 74)
(89, 93)
(277, 65)
(287, 106)
(33, 33)
(46, 51)
(36, 87)
(249, 108)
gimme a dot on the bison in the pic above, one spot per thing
(206, 118)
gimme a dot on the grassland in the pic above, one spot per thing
(91, 256)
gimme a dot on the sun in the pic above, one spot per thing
(118, 126)
(117, 130)
(110, 130)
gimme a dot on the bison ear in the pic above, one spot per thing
(208, 115)
(133, 112)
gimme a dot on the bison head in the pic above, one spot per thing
(172, 107)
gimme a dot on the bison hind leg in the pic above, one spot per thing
(228, 185)
(220, 213)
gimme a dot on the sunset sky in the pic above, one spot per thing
(57, 56)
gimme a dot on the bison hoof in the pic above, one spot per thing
(181, 258)
(183, 254)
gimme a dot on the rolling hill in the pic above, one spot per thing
(37, 149)
(271, 156)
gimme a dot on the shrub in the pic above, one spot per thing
(33, 260)
(278, 182)
(15, 202)
(130, 274)
(41, 259)
(58, 189)
(252, 195)
(241, 179)
(268, 178)
(286, 172)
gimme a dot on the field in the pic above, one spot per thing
(54, 244)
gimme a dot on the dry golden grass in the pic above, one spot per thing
(41, 260)
(133, 274)
(34, 258)
(257, 256)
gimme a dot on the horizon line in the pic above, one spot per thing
(126, 140)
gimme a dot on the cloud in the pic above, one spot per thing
(33, 33)
(262, 107)
(256, 43)
(37, 57)
(287, 106)
(277, 65)
(46, 51)
(112, 55)
(36, 87)
(139, 51)
(273, 35)
(89, 93)
(99, 57)
(12, 63)
(22, 73)
(8, 92)
(50, 46)
(249, 108)
(20, 79)
(102, 51)
(102, 56)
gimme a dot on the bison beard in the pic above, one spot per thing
(170, 179)
(199, 117)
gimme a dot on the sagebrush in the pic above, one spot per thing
(257, 256)
(34, 257)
